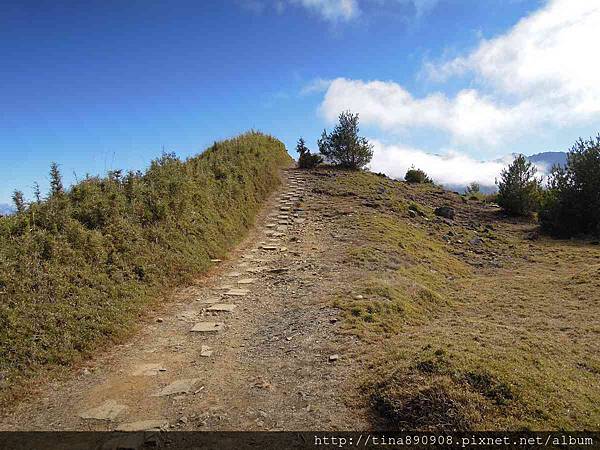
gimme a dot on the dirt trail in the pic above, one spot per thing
(269, 365)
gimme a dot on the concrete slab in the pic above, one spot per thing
(208, 327)
(109, 410)
(177, 387)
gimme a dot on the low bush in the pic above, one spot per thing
(307, 160)
(417, 176)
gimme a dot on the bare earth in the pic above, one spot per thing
(274, 361)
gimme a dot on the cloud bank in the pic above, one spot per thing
(452, 168)
(540, 73)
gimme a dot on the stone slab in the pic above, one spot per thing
(210, 300)
(208, 327)
(233, 274)
(143, 425)
(206, 351)
(246, 281)
(177, 387)
(108, 410)
(237, 292)
(222, 307)
(224, 287)
(148, 370)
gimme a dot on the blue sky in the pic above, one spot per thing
(99, 85)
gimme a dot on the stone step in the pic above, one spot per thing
(208, 327)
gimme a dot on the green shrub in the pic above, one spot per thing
(343, 146)
(77, 268)
(571, 204)
(306, 160)
(417, 176)
(519, 191)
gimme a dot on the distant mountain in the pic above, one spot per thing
(548, 159)
(6, 209)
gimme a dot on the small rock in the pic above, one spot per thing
(206, 351)
(333, 320)
(358, 297)
(183, 420)
(334, 357)
(160, 320)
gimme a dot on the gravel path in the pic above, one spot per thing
(253, 345)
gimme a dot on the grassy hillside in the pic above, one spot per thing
(77, 269)
(471, 323)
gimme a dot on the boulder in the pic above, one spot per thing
(445, 211)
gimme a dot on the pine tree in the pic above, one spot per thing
(343, 146)
(519, 191)
(306, 160)
(56, 186)
(301, 147)
(19, 200)
(37, 193)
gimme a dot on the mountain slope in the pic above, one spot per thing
(461, 329)
(549, 159)
(361, 309)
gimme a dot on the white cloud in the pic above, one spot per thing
(316, 85)
(541, 73)
(468, 117)
(548, 53)
(332, 10)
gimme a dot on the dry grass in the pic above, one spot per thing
(478, 323)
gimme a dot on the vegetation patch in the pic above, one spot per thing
(77, 268)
